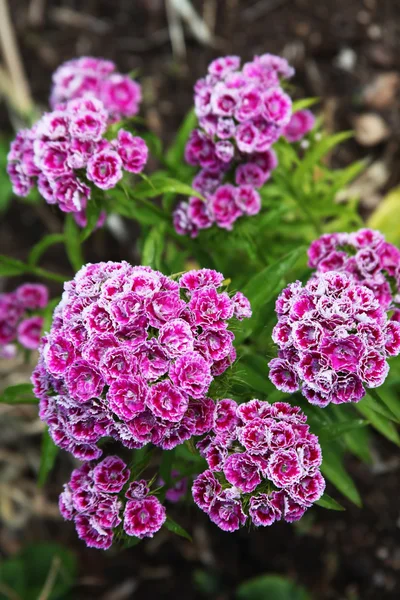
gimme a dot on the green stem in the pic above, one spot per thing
(47, 274)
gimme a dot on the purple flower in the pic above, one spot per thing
(176, 338)
(242, 472)
(284, 468)
(110, 475)
(205, 488)
(277, 107)
(224, 207)
(301, 122)
(265, 509)
(29, 332)
(32, 296)
(167, 402)
(143, 518)
(227, 513)
(248, 200)
(137, 490)
(132, 150)
(127, 397)
(191, 374)
(105, 169)
(83, 381)
(210, 308)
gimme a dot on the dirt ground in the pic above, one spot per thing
(347, 52)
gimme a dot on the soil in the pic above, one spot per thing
(341, 50)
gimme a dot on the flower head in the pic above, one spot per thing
(131, 355)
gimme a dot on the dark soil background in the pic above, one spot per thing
(347, 52)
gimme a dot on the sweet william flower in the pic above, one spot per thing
(263, 465)
(331, 337)
(131, 354)
(143, 518)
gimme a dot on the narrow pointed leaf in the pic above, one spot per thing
(333, 469)
(327, 502)
(48, 457)
(173, 526)
(19, 394)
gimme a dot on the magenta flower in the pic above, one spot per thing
(301, 122)
(110, 475)
(252, 446)
(167, 402)
(32, 296)
(191, 374)
(70, 140)
(205, 488)
(96, 77)
(127, 397)
(331, 337)
(242, 472)
(126, 359)
(265, 509)
(29, 332)
(143, 518)
(105, 169)
(242, 112)
(227, 513)
(132, 150)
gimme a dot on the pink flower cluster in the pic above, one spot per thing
(131, 355)
(96, 77)
(67, 143)
(334, 338)
(98, 494)
(242, 112)
(17, 321)
(263, 465)
(366, 257)
(301, 122)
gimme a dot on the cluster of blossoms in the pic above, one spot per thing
(68, 144)
(334, 338)
(96, 77)
(366, 257)
(263, 465)
(242, 112)
(98, 499)
(17, 323)
(131, 354)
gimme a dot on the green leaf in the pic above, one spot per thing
(304, 103)
(330, 503)
(173, 526)
(37, 565)
(379, 422)
(11, 266)
(315, 153)
(166, 467)
(333, 469)
(270, 587)
(176, 152)
(160, 184)
(73, 243)
(93, 211)
(263, 287)
(40, 248)
(373, 401)
(130, 542)
(19, 394)
(47, 458)
(335, 430)
(139, 209)
(154, 144)
(153, 247)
